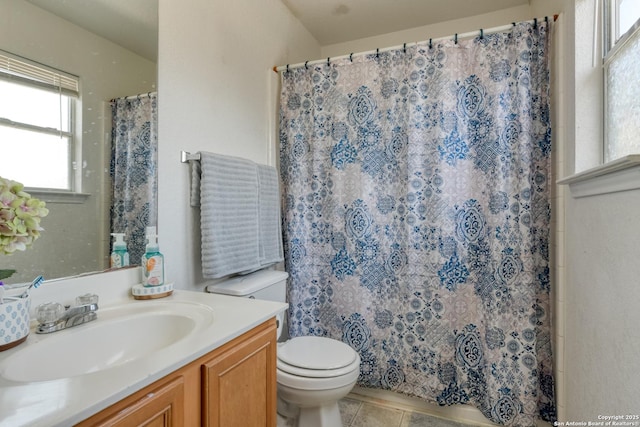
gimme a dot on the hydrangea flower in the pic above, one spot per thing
(20, 216)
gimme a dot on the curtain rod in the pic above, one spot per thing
(455, 37)
(138, 96)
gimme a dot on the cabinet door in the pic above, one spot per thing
(239, 383)
(161, 407)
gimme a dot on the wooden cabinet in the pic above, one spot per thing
(239, 384)
(161, 406)
(233, 386)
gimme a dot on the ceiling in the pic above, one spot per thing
(338, 21)
(134, 24)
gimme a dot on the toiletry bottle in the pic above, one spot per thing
(119, 255)
(152, 261)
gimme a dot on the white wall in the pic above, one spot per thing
(75, 239)
(216, 94)
(603, 293)
(602, 339)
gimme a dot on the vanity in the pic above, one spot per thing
(189, 359)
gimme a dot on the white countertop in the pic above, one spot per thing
(64, 402)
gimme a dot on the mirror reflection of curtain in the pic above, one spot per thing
(134, 169)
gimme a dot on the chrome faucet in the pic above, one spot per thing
(52, 316)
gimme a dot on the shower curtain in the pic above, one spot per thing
(417, 217)
(134, 169)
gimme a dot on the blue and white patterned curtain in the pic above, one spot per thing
(417, 217)
(134, 169)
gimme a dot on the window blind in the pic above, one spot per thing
(16, 68)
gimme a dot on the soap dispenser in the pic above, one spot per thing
(119, 254)
(152, 261)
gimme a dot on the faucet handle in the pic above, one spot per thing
(49, 312)
(87, 299)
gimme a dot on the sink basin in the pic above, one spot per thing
(120, 335)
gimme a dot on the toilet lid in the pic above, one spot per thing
(301, 373)
(316, 353)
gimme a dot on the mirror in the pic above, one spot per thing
(112, 46)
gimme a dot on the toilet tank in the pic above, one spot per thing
(270, 285)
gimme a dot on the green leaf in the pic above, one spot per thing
(5, 274)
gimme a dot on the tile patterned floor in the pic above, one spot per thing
(356, 413)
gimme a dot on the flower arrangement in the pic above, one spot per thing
(20, 216)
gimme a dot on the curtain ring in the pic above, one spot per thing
(535, 23)
(287, 68)
(351, 57)
(328, 63)
(546, 19)
(377, 53)
(305, 64)
(404, 48)
(455, 39)
(481, 33)
(430, 43)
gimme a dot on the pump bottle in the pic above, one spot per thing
(152, 261)
(119, 254)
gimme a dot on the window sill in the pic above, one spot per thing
(54, 196)
(619, 175)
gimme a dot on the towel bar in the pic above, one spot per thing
(186, 157)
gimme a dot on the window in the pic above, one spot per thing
(622, 74)
(37, 105)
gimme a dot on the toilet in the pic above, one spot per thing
(313, 373)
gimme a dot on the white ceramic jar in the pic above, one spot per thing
(14, 321)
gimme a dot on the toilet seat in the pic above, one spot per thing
(316, 357)
(316, 363)
(313, 352)
(317, 373)
(308, 383)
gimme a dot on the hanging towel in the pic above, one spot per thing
(228, 215)
(239, 214)
(195, 183)
(270, 234)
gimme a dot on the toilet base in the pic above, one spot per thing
(324, 415)
(287, 410)
(318, 416)
(318, 408)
